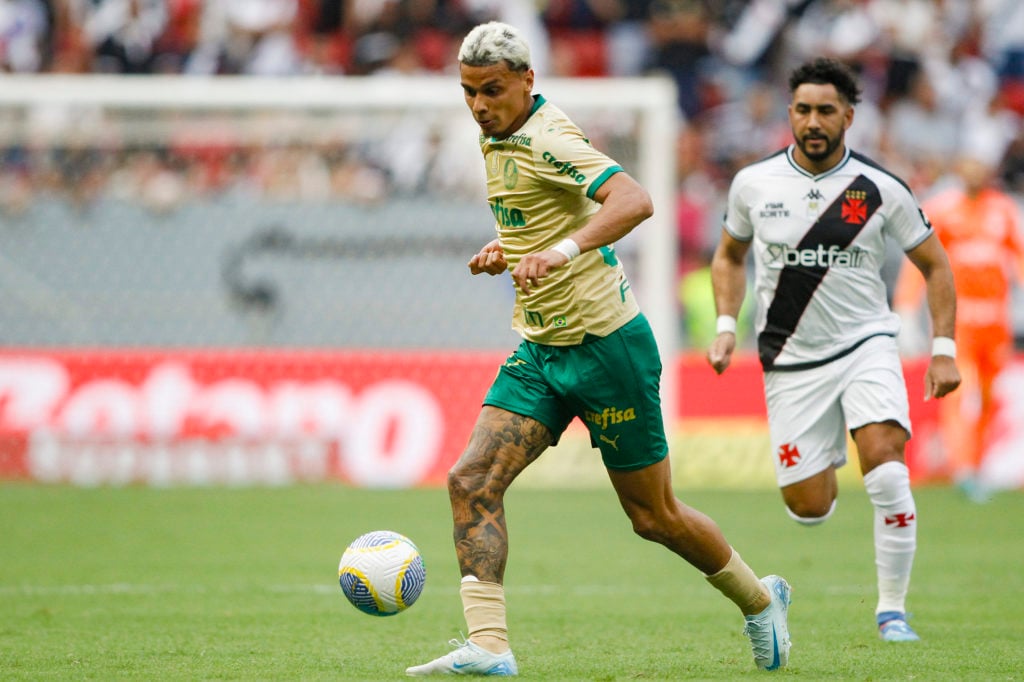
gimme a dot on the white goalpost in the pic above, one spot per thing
(254, 212)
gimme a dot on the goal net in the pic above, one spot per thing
(196, 266)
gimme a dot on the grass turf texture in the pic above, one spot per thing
(186, 584)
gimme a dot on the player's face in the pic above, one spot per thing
(499, 97)
(819, 118)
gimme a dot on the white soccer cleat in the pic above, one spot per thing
(892, 627)
(468, 659)
(769, 630)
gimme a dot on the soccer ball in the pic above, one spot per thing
(382, 573)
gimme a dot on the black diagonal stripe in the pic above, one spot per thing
(797, 283)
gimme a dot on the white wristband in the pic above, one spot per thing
(567, 248)
(943, 345)
(725, 323)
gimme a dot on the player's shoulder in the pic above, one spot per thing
(548, 122)
(943, 200)
(768, 165)
(1002, 199)
(879, 174)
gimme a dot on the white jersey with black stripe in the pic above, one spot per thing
(819, 246)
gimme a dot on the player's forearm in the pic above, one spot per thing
(619, 214)
(941, 302)
(931, 260)
(729, 284)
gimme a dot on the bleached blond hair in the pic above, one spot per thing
(494, 42)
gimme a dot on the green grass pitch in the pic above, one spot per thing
(240, 584)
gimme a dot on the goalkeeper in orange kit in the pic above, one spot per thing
(980, 227)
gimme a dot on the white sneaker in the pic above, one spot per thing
(769, 630)
(467, 659)
(892, 627)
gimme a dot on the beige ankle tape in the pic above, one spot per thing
(737, 582)
(484, 606)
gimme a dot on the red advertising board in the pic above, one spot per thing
(394, 419)
(201, 417)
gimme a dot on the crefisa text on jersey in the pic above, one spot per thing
(565, 168)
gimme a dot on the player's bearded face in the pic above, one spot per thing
(819, 118)
(499, 98)
(818, 146)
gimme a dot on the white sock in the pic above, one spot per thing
(888, 486)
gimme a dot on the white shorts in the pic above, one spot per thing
(810, 411)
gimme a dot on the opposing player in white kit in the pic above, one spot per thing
(817, 216)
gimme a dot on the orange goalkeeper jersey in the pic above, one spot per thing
(982, 238)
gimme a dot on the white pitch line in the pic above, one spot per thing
(325, 588)
(111, 588)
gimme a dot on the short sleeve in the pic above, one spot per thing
(737, 212)
(566, 159)
(907, 223)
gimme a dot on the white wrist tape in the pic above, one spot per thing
(943, 345)
(725, 323)
(567, 248)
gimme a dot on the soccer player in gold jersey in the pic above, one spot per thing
(587, 352)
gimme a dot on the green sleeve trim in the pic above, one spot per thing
(601, 179)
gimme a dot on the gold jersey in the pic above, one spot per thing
(540, 185)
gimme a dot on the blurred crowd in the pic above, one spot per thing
(939, 74)
(942, 78)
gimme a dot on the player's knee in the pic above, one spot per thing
(888, 484)
(666, 525)
(463, 483)
(811, 514)
(648, 525)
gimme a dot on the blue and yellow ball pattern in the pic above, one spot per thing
(382, 573)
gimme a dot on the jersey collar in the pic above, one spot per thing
(803, 171)
(538, 102)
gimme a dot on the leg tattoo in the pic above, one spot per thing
(501, 446)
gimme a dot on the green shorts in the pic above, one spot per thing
(612, 383)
